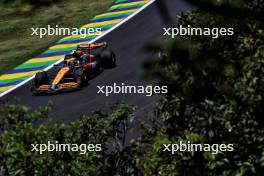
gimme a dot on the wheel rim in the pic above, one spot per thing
(84, 77)
(113, 59)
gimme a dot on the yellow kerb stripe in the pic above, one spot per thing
(115, 13)
(66, 45)
(80, 36)
(62, 46)
(128, 4)
(101, 23)
(44, 59)
(18, 75)
(2, 89)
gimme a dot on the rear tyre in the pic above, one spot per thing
(108, 59)
(41, 78)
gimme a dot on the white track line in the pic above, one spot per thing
(95, 39)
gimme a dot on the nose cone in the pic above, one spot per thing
(60, 75)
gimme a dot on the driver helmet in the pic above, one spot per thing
(78, 52)
(69, 62)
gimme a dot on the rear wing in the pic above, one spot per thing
(91, 46)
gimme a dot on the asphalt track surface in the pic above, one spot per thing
(127, 42)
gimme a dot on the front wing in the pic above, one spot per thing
(47, 89)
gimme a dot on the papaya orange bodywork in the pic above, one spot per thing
(69, 84)
(43, 87)
(94, 45)
(75, 71)
(60, 75)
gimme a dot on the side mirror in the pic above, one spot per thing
(104, 44)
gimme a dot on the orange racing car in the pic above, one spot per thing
(76, 69)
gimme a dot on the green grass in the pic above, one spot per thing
(16, 42)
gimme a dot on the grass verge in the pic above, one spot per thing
(16, 42)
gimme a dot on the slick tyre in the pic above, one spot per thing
(80, 77)
(41, 78)
(108, 59)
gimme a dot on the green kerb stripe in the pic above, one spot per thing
(111, 16)
(102, 26)
(6, 81)
(33, 65)
(70, 39)
(60, 49)
(120, 6)
(117, 1)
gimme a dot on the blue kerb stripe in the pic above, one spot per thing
(123, 2)
(79, 33)
(19, 70)
(76, 41)
(11, 83)
(68, 42)
(53, 54)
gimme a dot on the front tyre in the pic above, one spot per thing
(41, 78)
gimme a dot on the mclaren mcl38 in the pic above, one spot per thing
(75, 71)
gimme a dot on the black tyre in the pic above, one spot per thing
(80, 76)
(41, 78)
(108, 59)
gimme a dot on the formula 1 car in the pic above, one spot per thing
(77, 68)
